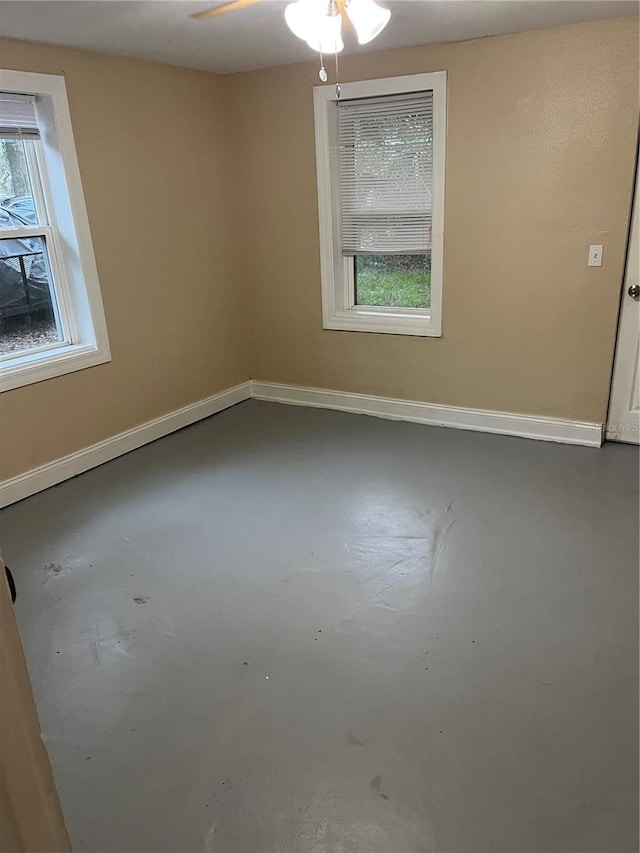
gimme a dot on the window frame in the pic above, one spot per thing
(337, 272)
(53, 164)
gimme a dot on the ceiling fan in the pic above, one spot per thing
(319, 22)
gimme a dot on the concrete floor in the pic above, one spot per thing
(285, 630)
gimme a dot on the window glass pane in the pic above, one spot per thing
(17, 206)
(393, 281)
(28, 310)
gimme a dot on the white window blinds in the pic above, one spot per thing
(385, 167)
(18, 118)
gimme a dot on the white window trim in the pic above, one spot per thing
(338, 310)
(77, 285)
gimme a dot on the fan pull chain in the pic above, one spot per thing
(322, 74)
(338, 89)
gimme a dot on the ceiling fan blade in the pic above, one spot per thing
(346, 20)
(220, 10)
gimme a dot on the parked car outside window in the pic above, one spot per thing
(24, 284)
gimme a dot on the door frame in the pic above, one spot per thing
(635, 189)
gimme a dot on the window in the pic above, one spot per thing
(51, 316)
(380, 151)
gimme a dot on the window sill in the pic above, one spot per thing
(383, 321)
(28, 368)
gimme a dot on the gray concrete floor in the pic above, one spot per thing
(293, 630)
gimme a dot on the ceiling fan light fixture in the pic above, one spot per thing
(368, 19)
(304, 16)
(327, 37)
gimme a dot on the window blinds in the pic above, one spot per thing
(385, 168)
(18, 118)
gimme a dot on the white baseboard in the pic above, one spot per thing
(479, 420)
(505, 423)
(40, 478)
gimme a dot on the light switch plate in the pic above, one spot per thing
(595, 255)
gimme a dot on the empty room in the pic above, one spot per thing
(319, 423)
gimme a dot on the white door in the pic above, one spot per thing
(623, 421)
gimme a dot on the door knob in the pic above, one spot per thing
(634, 291)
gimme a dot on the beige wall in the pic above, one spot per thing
(157, 199)
(541, 142)
(206, 239)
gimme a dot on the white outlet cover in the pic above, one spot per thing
(595, 255)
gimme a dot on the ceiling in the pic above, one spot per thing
(257, 36)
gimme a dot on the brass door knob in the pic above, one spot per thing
(634, 291)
